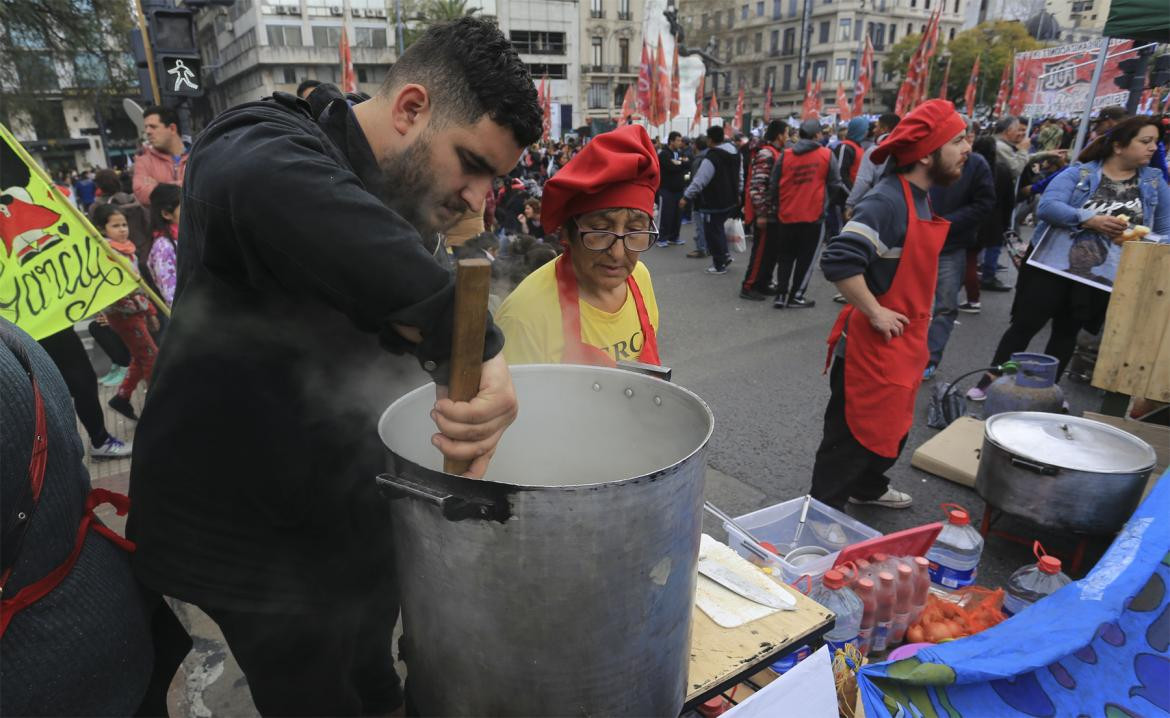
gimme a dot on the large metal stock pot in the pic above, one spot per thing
(563, 583)
(1063, 472)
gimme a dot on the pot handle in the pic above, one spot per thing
(1035, 467)
(453, 508)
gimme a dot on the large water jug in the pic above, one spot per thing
(1032, 388)
(954, 556)
(1033, 582)
(834, 595)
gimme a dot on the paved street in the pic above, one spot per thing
(760, 371)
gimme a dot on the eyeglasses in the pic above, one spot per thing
(600, 240)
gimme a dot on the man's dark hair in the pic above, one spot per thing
(908, 168)
(775, 129)
(166, 115)
(889, 121)
(470, 70)
(1004, 124)
(107, 181)
(672, 137)
(305, 85)
(715, 134)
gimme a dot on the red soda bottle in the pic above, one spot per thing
(904, 591)
(865, 591)
(884, 611)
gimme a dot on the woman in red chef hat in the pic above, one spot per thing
(595, 304)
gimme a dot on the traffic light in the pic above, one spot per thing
(138, 49)
(176, 57)
(1127, 78)
(1161, 74)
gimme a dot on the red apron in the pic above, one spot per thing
(882, 378)
(577, 351)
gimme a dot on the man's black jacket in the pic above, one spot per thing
(253, 474)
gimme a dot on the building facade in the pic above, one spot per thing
(547, 35)
(611, 42)
(775, 42)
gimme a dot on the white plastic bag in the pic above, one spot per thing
(736, 240)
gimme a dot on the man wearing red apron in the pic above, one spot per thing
(885, 262)
(595, 303)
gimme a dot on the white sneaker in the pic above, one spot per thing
(112, 449)
(892, 499)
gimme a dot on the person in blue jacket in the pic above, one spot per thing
(1110, 188)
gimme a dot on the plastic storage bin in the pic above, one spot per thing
(825, 527)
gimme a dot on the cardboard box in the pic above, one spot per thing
(953, 453)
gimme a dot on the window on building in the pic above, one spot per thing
(893, 32)
(756, 76)
(624, 10)
(369, 37)
(597, 59)
(956, 10)
(596, 8)
(536, 42)
(598, 95)
(922, 30)
(909, 28)
(774, 47)
(743, 15)
(760, 8)
(718, 21)
(553, 71)
(791, 8)
(853, 69)
(290, 35)
(706, 20)
(363, 74)
(786, 83)
(789, 41)
(759, 41)
(741, 45)
(36, 71)
(844, 29)
(840, 67)
(820, 69)
(824, 31)
(289, 75)
(730, 18)
(776, 9)
(619, 94)
(51, 118)
(951, 35)
(926, 4)
(89, 70)
(770, 77)
(624, 54)
(913, 3)
(715, 48)
(727, 83)
(326, 36)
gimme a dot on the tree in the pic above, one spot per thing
(88, 39)
(898, 58)
(435, 12)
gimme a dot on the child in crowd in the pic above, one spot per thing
(131, 317)
(164, 224)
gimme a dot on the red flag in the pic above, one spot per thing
(674, 85)
(645, 83)
(545, 94)
(739, 111)
(768, 104)
(712, 109)
(700, 93)
(1001, 97)
(969, 94)
(348, 76)
(809, 108)
(629, 104)
(942, 91)
(818, 100)
(843, 113)
(864, 79)
(661, 85)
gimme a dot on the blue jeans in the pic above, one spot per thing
(715, 236)
(990, 263)
(671, 216)
(951, 266)
(700, 238)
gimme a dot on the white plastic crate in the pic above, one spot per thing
(825, 527)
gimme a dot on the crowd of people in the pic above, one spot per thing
(319, 235)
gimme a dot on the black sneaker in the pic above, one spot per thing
(781, 301)
(123, 407)
(799, 302)
(752, 295)
(716, 270)
(994, 285)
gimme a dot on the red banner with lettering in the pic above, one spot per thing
(1055, 80)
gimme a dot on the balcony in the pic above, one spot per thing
(310, 55)
(607, 70)
(627, 15)
(597, 14)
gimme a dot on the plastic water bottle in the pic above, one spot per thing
(834, 595)
(1033, 582)
(866, 592)
(884, 611)
(954, 557)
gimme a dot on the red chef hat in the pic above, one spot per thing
(616, 169)
(930, 126)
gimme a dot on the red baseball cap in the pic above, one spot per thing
(616, 169)
(930, 126)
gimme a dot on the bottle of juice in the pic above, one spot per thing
(865, 591)
(903, 593)
(883, 611)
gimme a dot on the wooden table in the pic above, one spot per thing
(722, 657)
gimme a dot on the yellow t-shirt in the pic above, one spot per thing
(530, 318)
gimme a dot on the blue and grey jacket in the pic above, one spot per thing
(1062, 202)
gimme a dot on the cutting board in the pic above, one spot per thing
(726, 607)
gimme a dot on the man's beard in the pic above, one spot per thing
(942, 177)
(409, 187)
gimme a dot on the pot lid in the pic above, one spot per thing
(1069, 442)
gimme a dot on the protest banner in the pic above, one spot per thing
(1055, 81)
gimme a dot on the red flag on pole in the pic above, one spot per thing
(348, 76)
(739, 111)
(768, 103)
(969, 94)
(864, 78)
(645, 84)
(674, 85)
(629, 104)
(700, 93)
(818, 100)
(942, 91)
(843, 110)
(661, 85)
(712, 109)
(1001, 97)
(809, 108)
(545, 106)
